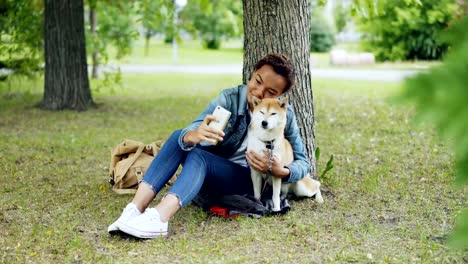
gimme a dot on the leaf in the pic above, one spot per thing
(317, 153)
(102, 188)
(440, 97)
(328, 167)
(459, 238)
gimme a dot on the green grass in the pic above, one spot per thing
(390, 197)
(191, 52)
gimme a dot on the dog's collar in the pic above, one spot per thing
(269, 144)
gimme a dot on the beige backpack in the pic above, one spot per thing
(129, 162)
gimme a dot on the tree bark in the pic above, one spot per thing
(66, 84)
(283, 27)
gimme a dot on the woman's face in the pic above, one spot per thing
(265, 83)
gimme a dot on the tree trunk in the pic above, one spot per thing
(147, 41)
(93, 26)
(66, 84)
(283, 27)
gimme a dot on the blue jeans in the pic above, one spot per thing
(201, 170)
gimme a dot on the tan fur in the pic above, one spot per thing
(273, 112)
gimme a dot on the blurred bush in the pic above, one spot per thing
(404, 29)
(322, 35)
(440, 96)
(21, 37)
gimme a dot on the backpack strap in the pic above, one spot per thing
(134, 158)
(123, 191)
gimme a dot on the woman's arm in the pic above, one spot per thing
(199, 130)
(300, 167)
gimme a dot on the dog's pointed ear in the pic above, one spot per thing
(256, 101)
(283, 101)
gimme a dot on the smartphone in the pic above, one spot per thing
(223, 116)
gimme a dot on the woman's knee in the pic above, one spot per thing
(176, 134)
(173, 139)
(199, 154)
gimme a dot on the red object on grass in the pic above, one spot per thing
(220, 211)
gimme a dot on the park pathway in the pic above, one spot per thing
(327, 73)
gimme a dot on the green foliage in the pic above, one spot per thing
(213, 20)
(341, 15)
(110, 81)
(155, 15)
(328, 167)
(322, 35)
(21, 36)
(116, 27)
(459, 237)
(405, 29)
(440, 96)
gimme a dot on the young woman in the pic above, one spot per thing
(222, 168)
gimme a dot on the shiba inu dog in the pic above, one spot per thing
(266, 131)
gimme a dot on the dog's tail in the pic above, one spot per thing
(308, 187)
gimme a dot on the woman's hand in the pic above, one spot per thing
(204, 133)
(262, 164)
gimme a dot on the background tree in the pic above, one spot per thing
(110, 23)
(117, 28)
(93, 38)
(322, 35)
(66, 84)
(155, 16)
(212, 20)
(404, 29)
(21, 36)
(341, 15)
(283, 27)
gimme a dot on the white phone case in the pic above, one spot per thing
(223, 116)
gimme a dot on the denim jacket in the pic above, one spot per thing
(235, 100)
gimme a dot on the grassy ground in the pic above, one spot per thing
(191, 52)
(390, 200)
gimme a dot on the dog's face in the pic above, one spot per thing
(269, 114)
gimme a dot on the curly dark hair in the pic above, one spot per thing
(281, 65)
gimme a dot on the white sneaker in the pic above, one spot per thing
(128, 213)
(147, 225)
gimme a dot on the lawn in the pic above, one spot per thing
(389, 199)
(191, 52)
